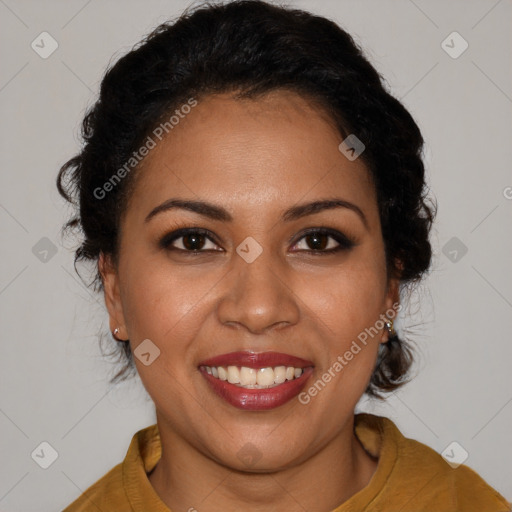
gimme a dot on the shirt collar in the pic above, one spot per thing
(377, 435)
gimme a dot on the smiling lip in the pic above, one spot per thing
(257, 399)
(256, 360)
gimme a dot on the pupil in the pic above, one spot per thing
(315, 241)
(191, 240)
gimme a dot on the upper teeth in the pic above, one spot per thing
(254, 378)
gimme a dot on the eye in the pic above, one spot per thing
(324, 241)
(316, 241)
(190, 240)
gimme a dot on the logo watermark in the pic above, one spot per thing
(343, 360)
(137, 156)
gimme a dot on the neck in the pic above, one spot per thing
(187, 479)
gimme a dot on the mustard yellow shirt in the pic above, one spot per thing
(410, 477)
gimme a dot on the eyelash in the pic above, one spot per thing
(344, 243)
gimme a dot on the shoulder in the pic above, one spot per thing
(421, 478)
(473, 493)
(127, 482)
(460, 486)
(106, 494)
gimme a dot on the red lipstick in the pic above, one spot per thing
(256, 360)
(257, 399)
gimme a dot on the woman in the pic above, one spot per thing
(255, 201)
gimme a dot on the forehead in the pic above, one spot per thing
(267, 152)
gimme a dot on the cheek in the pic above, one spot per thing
(159, 303)
(168, 308)
(346, 305)
(349, 299)
(343, 305)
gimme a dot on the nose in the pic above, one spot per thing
(258, 296)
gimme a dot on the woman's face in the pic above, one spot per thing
(252, 280)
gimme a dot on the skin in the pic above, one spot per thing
(255, 158)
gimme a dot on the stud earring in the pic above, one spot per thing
(115, 332)
(390, 328)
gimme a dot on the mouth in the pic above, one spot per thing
(256, 381)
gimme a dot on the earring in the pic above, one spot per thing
(391, 330)
(115, 332)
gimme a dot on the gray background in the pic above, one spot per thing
(52, 375)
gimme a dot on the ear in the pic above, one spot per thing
(110, 279)
(392, 305)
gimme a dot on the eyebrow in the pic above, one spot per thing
(215, 212)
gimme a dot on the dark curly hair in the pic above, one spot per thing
(249, 48)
